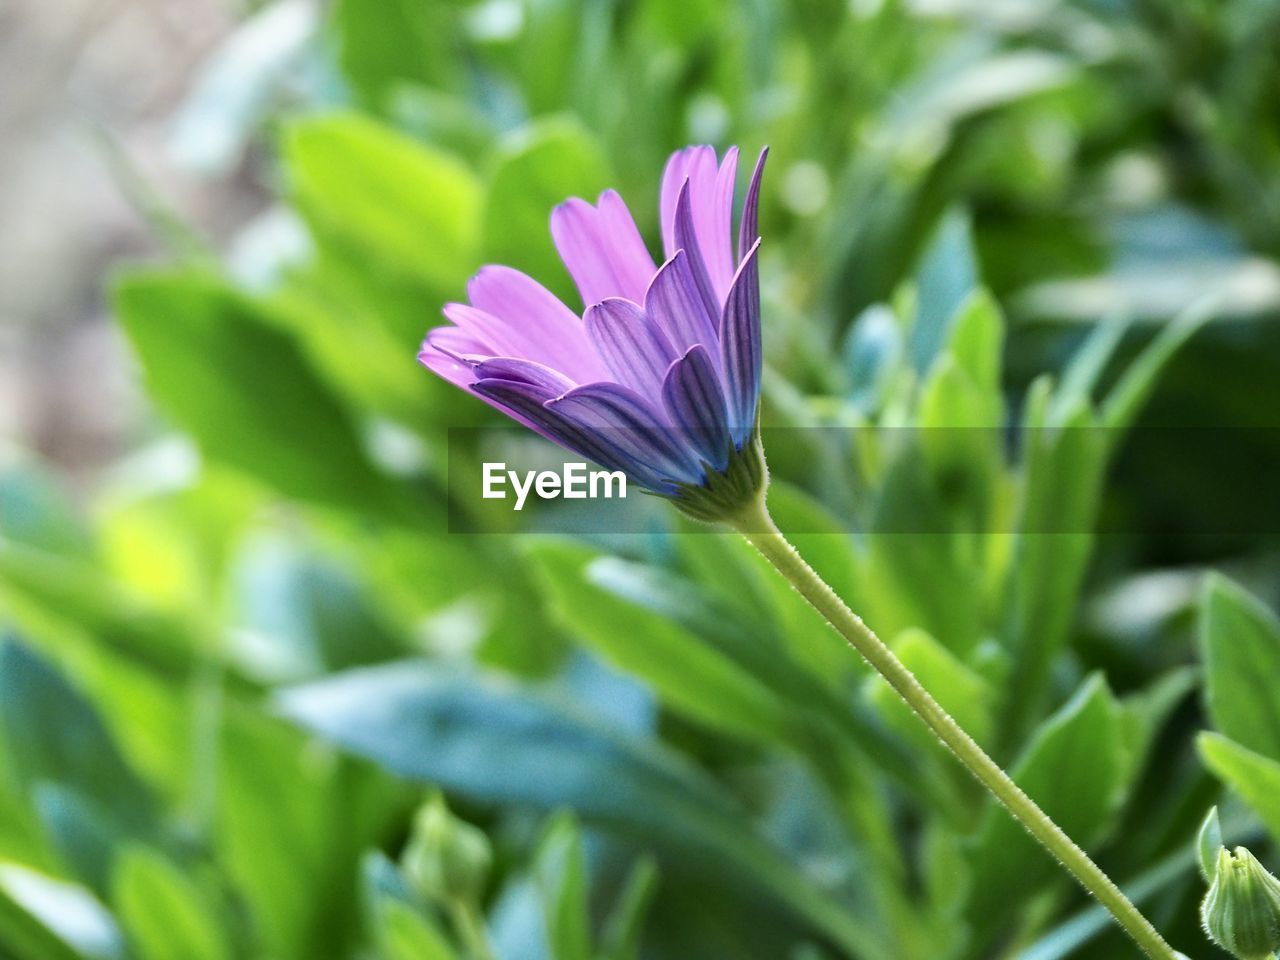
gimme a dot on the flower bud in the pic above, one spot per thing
(446, 858)
(1241, 911)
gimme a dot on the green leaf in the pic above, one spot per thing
(1240, 643)
(1064, 467)
(400, 202)
(285, 811)
(535, 170)
(398, 43)
(217, 364)
(163, 913)
(1074, 768)
(430, 726)
(689, 675)
(1129, 395)
(976, 343)
(1080, 378)
(561, 872)
(1255, 777)
(1208, 843)
(624, 924)
(403, 933)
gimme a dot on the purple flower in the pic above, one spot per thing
(660, 378)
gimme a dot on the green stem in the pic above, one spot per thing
(758, 527)
(468, 923)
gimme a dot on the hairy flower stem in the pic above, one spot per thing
(758, 527)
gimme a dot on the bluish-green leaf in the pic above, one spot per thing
(493, 742)
(561, 871)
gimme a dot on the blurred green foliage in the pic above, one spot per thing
(235, 670)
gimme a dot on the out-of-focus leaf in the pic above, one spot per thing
(561, 871)
(1074, 768)
(397, 43)
(84, 834)
(624, 924)
(1240, 643)
(873, 350)
(1147, 711)
(1255, 777)
(163, 913)
(216, 364)
(402, 203)
(35, 513)
(434, 727)
(1126, 399)
(286, 810)
(948, 274)
(689, 675)
(46, 919)
(963, 693)
(1063, 474)
(305, 614)
(1080, 378)
(534, 171)
(50, 732)
(402, 933)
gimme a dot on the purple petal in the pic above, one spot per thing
(749, 227)
(674, 177)
(457, 343)
(710, 198)
(456, 371)
(551, 382)
(622, 417)
(713, 218)
(675, 303)
(687, 241)
(696, 405)
(540, 326)
(740, 347)
(528, 404)
(602, 248)
(632, 345)
(632, 263)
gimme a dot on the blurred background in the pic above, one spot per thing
(249, 678)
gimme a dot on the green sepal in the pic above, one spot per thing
(726, 494)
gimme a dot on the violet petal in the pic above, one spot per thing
(695, 402)
(740, 347)
(675, 303)
(624, 418)
(633, 346)
(749, 227)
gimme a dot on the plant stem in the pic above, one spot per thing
(469, 926)
(758, 528)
